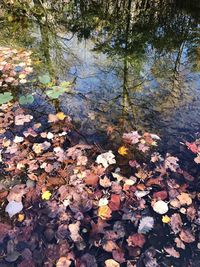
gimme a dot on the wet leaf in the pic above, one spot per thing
(176, 223)
(106, 159)
(160, 207)
(111, 263)
(122, 150)
(146, 224)
(136, 240)
(186, 236)
(5, 97)
(166, 219)
(13, 208)
(44, 79)
(172, 252)
(28, 99)
(104, 212)
(46, 195)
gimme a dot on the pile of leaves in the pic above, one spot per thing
(66, 204)
(15, 66)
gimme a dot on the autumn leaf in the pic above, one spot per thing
(185, 199)
(122, 150)
(136, 240)
(186, 236)
(104, 212)
(114, 202)
(172, 252)
(111, 263)
(46, 195)
(160, 207)
(165, 219)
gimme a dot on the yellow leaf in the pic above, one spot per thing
(20, 217)
(60, 116)
(166, 219)
(123, 150)
(104, 212)
(46, 195)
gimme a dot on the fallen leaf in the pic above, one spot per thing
(185, 199)
(106, 159)
(176, 223)
(146, 224)
(172, 252)
(63, 262)
(122, 150)
(166, 219)
(13, 208)
(111, 263)
(186, 236)
(114, 202)
(46, 195)
(136, 240)
(160, 207)
(104, 212)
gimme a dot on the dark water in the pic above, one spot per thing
(133, 64)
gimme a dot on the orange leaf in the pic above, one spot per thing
(114, 202)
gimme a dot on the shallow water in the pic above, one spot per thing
(133, 64)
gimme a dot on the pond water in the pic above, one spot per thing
(133, 64)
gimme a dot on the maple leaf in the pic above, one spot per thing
(46, 195)
(122, 150)
(21, 119)
(171, 163)
(106, 159)
(131, 138)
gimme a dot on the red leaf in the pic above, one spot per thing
(114, 202)
(161, 195)
(192, 146)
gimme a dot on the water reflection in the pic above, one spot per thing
(134, 64)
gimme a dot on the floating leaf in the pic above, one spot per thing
(5, 97)
(45, 79)
(57, 91)
(28, 99)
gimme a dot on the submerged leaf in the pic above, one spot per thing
(146, 225)
(14, 207)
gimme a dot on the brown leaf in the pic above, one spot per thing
(114, 202)
(185, 199)
(110, 245)
(136, 240)
(160, 195)
(63, 262)
(91, 179)
(172, 252)
(176, 223)
(186, 236)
